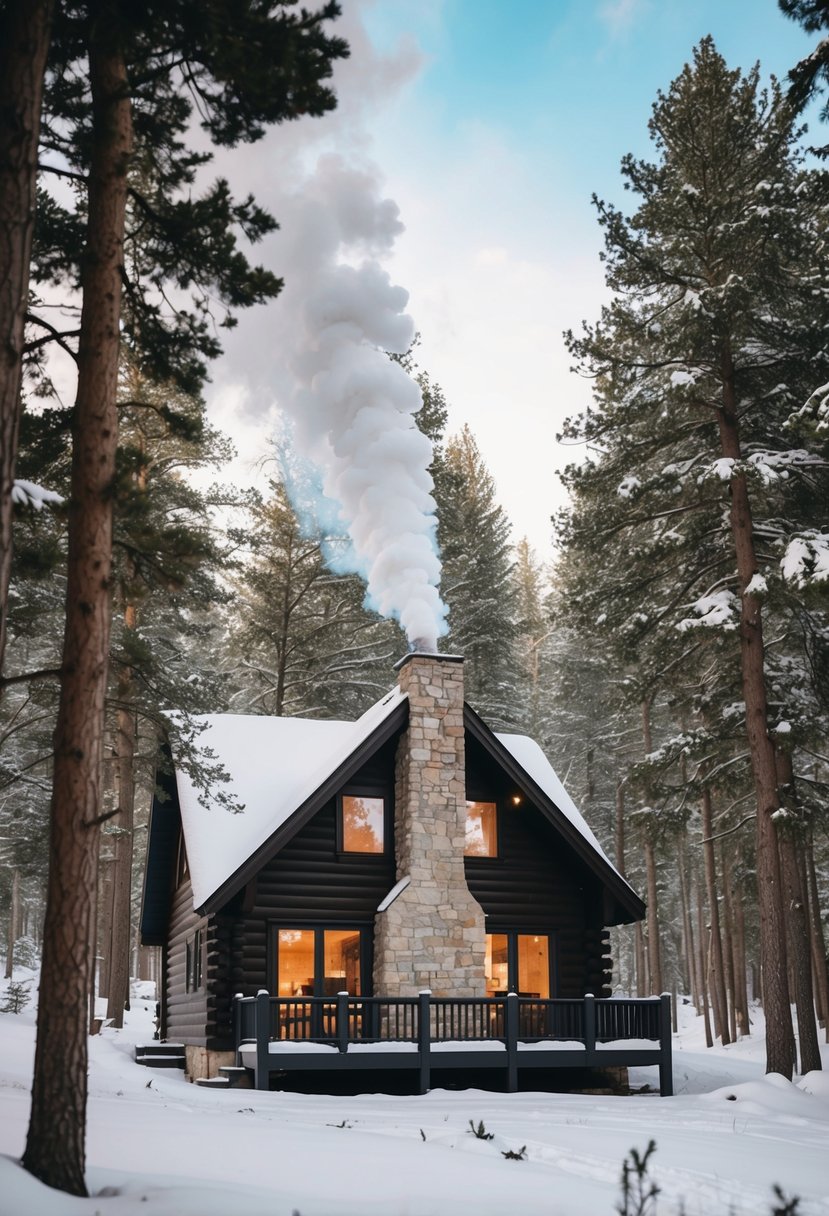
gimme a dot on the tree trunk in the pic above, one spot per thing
(818, 943)
(654, 953)
(717, 967)
(800, 946)
(25, 27)
(118, 991)
(14, 924)
(741, 967)
(702, 967)
(779, 1030)
(800, 953)
(728, 950)
(687, 927)
(55, 1147)
(642, 985)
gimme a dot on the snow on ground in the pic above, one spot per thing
(162, 1147)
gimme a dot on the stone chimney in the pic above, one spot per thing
(431, 934)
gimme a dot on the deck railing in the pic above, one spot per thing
(580, 1027)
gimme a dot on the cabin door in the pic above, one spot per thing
(316, 962)
(519, 962)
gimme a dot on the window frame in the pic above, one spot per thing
(194, 961)
(365, 791)
(486, 858)
(512, 936)
(319, 928)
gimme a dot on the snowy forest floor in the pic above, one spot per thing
(162, 1147)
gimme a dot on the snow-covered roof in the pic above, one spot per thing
(276, 764)
(536, 765)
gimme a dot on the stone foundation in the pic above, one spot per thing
(432, 935)
(202, 1063)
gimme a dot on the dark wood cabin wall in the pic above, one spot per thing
(537, 883)
(308, 882)
(186, 1012)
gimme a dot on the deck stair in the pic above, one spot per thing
(231, 1076)
(160, 1055)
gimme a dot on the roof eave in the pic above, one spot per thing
(627, 899)
(287, 830)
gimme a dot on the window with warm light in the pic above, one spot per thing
(481, 829)
(362, 824)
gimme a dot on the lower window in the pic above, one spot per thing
(319, 962)
(518, 962)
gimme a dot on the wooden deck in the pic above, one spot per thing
(423, 1033)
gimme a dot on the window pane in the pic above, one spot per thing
(342, 962)
(481, 830)
(496, 964)
(533, 965)
(295, 962)
(362, 824)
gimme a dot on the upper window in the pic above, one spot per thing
(363, 824)
(481, 829)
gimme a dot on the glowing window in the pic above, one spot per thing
(362, 824)
(481, 829)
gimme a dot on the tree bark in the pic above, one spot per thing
(717, 965)
(779, 1031)
(687, 927)
(25, 28)
(729, 956)
(14, 924)
(55, 1147)
(702, 968)
(654, 952)
(800, 946)
(816, 925)
(118, 992)
(741, 966)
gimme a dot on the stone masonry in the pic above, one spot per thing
(432, 935)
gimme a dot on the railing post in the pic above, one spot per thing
(511, 1027)
(589, 1023)
(262, 1026)
(237, 1024)
(342, 1022)
(666, 1069)
(424, 1037)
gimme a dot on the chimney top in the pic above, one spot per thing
(427, 654)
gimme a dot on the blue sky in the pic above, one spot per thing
(491, 124)
(492, 148)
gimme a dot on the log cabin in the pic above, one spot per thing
(414, 851)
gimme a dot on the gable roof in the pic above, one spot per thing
(531, 771)
(283, 770)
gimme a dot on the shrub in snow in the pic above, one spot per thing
(25, 953)
(17, 997)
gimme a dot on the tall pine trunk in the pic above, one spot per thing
(717, 965)
(797, 920)
(25, 27)
(118, 992)
(779, 1030)
(702, 966)
(55, 1147)
(821, 971)
(14, 924)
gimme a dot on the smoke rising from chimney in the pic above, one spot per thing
(351, 407)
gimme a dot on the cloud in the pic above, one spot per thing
(618, 16)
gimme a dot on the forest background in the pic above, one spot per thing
(674, 659)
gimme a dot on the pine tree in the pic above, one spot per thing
(24, 43)
(473, 534)
(700, 364)
(811, 75)
(301, 641)
(115, 89)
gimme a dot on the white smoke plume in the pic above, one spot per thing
(351, 407)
